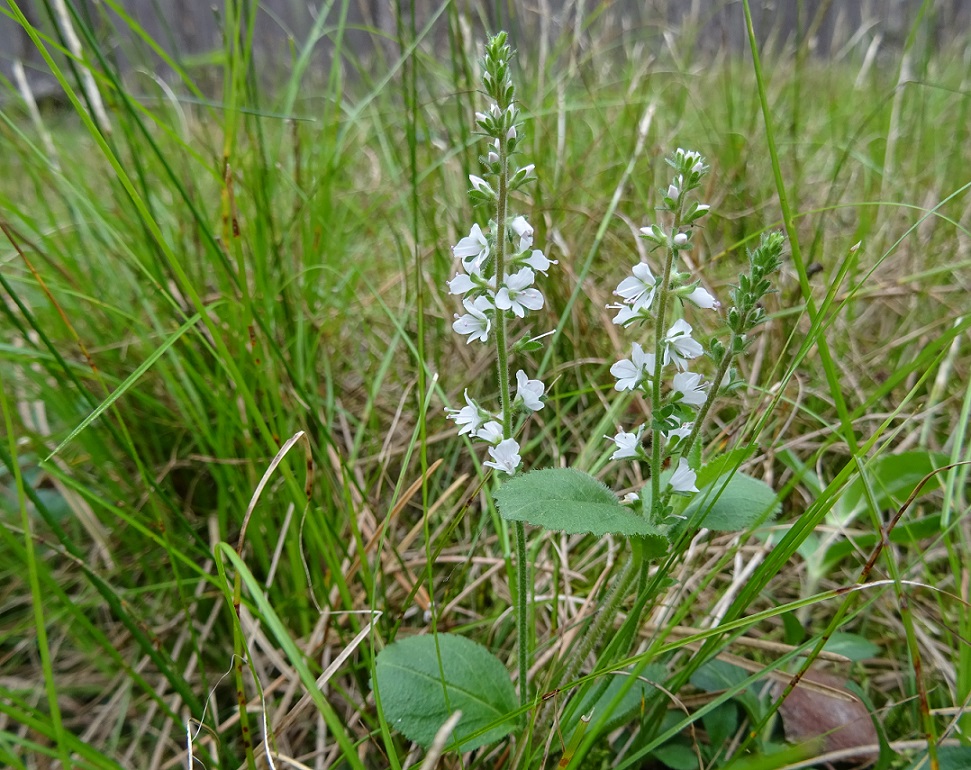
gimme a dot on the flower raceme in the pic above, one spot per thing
(499, 265)
(647, 297)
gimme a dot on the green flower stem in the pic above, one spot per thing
(505, 399)
(502, 353)
(602, 621)
(522, 616)
(712, 394)
(660, 326)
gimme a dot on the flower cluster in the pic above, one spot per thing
(498, 267)
(648, 297)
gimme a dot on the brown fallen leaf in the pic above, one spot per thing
(821, 710)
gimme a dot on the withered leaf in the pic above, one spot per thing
(821, 710)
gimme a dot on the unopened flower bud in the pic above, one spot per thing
(481, 185)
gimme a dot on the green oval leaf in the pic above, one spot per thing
(948, 757)
(417, 701)
(571, 501)
(890, 479)
(734, 502)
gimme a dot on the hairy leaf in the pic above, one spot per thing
(572, 501)
(733, 502)
(417, 701)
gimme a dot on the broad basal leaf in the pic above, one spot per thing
(417, 701)
(733, 502)
(572, 501)
(890, 479)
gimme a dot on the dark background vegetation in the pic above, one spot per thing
(191, 30)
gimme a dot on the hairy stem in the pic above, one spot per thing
(505, 399)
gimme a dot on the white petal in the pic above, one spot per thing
(505, 456)
(683, 478)
(703, 298)
(627, 444)
(491, 432)
(460, 284)
(628, 375)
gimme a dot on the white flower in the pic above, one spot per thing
(627, 315)
(680, 239)
(491, 432)
(529, 392)
(469, 416)
(690, 387)
(702, 207)
(638, 289)
(475, 323)
(539, 261)
(524, 230)
(682, 431)
(683, 479)
(516, 295)
(679, 346)
(628, 444)
(630, 372)
(473, 250)
(460, 284)
(703, 298)
(505, 456)
(673, 191)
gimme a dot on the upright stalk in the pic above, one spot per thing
(498, 268)
(659, 329)
(505, 401)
